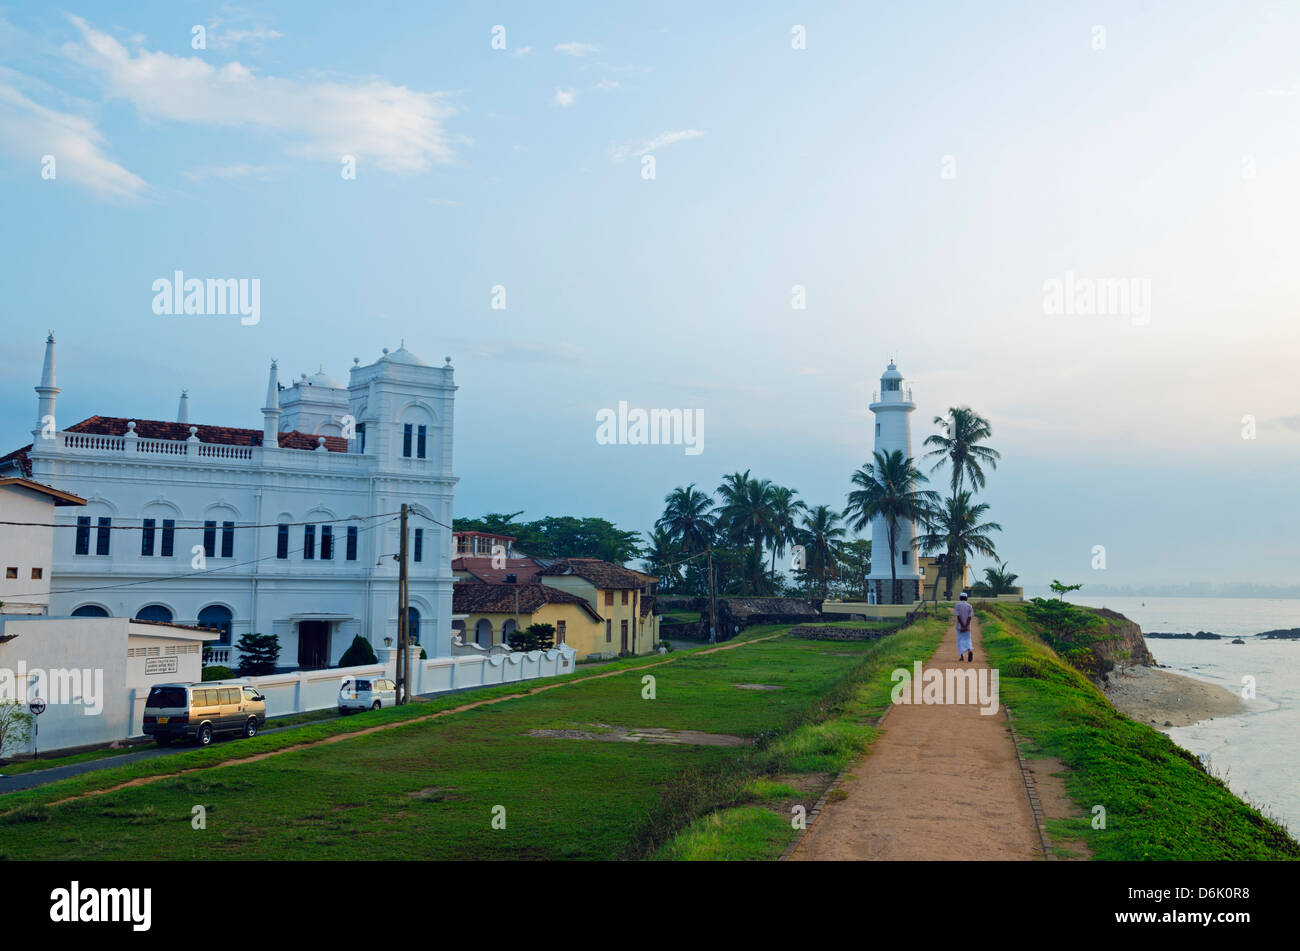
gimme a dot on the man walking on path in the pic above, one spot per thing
(941, 781)
(964, 612)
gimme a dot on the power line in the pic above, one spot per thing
(188, 575)
(200, 526)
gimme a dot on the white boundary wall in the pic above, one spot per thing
(301, 691)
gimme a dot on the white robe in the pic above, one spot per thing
(963, 641)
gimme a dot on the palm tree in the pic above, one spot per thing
(958, 527)
(688, 518)
(663, 557)
(959, 445)
(747, 515)
(999, 580)
(886, 488)
(784, 509)
(822, 536)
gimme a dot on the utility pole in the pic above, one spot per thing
(713, 602)
(402, 602)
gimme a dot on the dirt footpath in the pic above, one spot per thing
(941, 781)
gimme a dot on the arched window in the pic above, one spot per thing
(218, 616)
(483, 632)
(154, 612)
(413, 624)
(507, 629)
(90, 610)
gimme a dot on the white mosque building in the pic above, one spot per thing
(288, 530)
(893, 408)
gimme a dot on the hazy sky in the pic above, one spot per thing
(924, 171)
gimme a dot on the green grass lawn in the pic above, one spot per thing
(430, 789)
(1159, 802)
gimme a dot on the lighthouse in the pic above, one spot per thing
(893, 408)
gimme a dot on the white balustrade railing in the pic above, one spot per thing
(167, 447)
(223, 451)
(93, 441)
(125, 445)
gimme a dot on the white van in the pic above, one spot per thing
(366, 693)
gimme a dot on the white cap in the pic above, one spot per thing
(963, 595)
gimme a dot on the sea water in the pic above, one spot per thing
(1256, 753)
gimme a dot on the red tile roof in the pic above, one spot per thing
(480, 567)
(476, 597)
(223, 435)
(603, 574)
(20, 459)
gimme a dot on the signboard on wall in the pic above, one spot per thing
(161, 665)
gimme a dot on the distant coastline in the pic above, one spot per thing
(1285, 634)
(1284, 592)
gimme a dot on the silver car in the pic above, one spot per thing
(366, 693)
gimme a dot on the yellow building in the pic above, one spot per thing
(624, 598)
(934, 580)
(492, 612)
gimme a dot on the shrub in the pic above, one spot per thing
(258, 654)
(538, 637)
(359, 652)
(15, 725)
(217, 673)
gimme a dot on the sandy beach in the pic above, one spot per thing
(1162, 698)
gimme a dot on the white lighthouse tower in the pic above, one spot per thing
(893, 407)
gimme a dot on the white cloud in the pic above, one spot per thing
(396, 128)
(619, 153)
(576, 49)
(227, 172)
(31, 131)
(522, 51)
(564, 97)
(608, 84)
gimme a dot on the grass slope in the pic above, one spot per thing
(431, 788)
(1160, 803)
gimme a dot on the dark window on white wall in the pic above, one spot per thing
(419, 441)
(227, 539)
(210, 539)
(419, 544)
(83, 535)
(102, 535)
(309, 541)
(327, 542)
(168, 538)
(406, 440)
(147, 537)
(352, 543)
(282, 541)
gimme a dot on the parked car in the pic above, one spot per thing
(364, 693)
(198, 712)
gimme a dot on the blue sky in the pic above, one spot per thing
(1160, 150)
